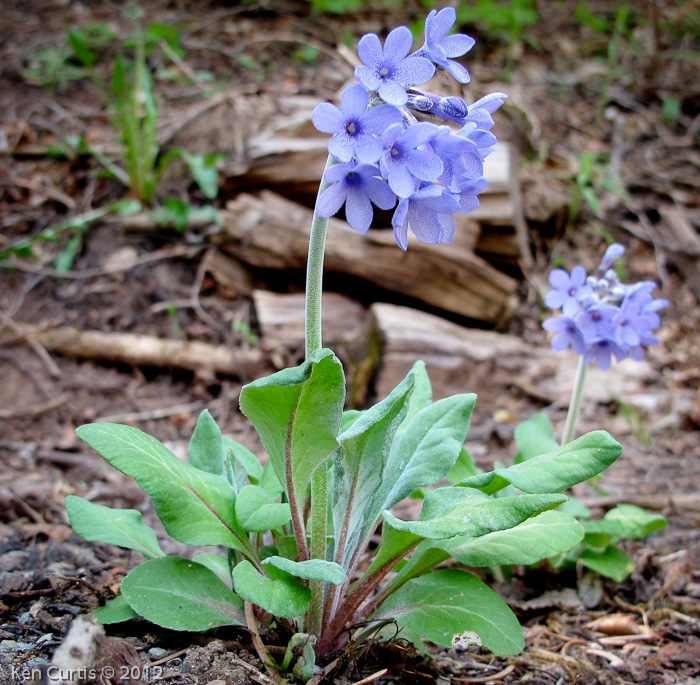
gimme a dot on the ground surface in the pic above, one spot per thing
(568, 97)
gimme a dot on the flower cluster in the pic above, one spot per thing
(387, 151)
(602, 317)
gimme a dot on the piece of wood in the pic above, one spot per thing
(281, 320)
(267, 231)
(500, 368)
(146, 350)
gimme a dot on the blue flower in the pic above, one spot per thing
(439, 47)
(567, 334)
(568, 290)
(357, 187)
(355, 128)
(389, 70)
(430, 213)
(602, 351)
(406, 157)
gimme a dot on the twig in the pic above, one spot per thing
(259, 646)
(44, 356)
(372, 678)
(167, 253)
(318, 678)
(487, 678)
(37, 409)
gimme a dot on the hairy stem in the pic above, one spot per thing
(353, 601)
(575, 403)
(314, 341)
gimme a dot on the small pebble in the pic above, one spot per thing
(25, 619)
(14, 646)
(46, 638)
(37, 662)
(157, 653)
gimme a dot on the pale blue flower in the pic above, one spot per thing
(439, 47)
(567, 334)
(356, 187)
(389, 70)
(355, 128)
(568, 291)
(430, 213)
(407, 159)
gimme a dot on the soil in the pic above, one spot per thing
(639, 110)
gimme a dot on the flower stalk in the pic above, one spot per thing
(575, 402)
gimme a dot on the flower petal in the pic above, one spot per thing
(457, 45)
(358, 210)
(369, 50)
(414, 71)
(353, 101)
(327, 118)
(398, 44)
(331, 200)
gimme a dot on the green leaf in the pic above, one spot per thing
(544, 535)
(181, 594)
(241, 454)
(287, 598)
(612, 562)
(114, 611)
(297, 413)
(463, 468)
(121, 527)
(534, 437)
(203, 168)
(312, 569)
(216, 563)
(448, 512)
(206, 448)
(359, 464)
(442, 605)
(257, 511)
(635, 523)
(425, 451)
(422, 395)
(196, 507)
(554, 472)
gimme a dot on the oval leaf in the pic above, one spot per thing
(442, 605)
(257, 511)
(544, 535)
(181, 594)
(287, 598)
(196, 507)
(115, 611)
(121, 527)
(448, 512)
(312, 569)
(297, 413)
(556, 471)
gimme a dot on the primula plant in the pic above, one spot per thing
(298, 536)
(601, 318)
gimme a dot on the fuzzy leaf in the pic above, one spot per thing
(312, 569)
(534, 437)
(287, 597)
(181, 594)
(196, 507)
(544, 535)
(121, 527)
(556, 471)
(257, 511)
(425, 451)
(297, 413)
(206, 448)
(114, 611)
(448, 512)
(442, 605)
(612, 562)
(216, 563)
(359, 464)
